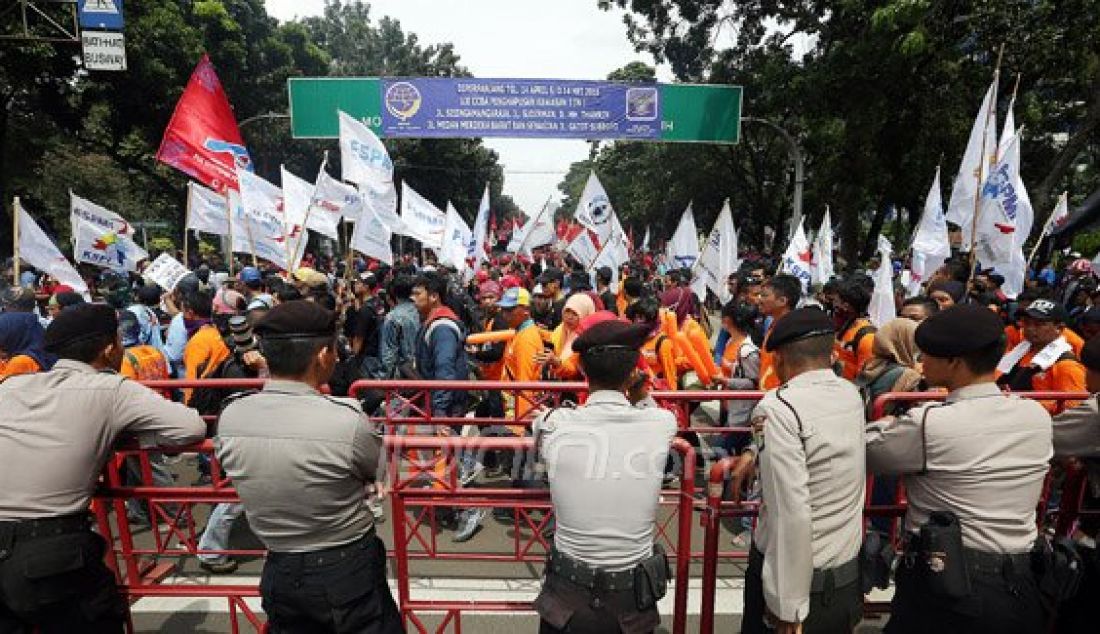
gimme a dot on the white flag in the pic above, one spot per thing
(960, 208)
(365, 161)
(297, 198)
(883, 308)
(421, 219)
(456, 239)
(36, 249)
(207, 210)
(260, 223)
(797, 257)
(822, 265)
(332, 197)
(616, 252)
(536, 232)
(682, 251)
(1001, 203)
(1014, 267)
(480, 234)
(594, 210)
(719, 259)
(1059, 215)
(645, 240)
(103, 237)
(372, 237)
(931, 244)
(583, 249)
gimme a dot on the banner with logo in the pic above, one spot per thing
(533, 108)
(422, 220)
(102, 237)
(165, 271)
(202, 139)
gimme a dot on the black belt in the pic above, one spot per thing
(579, 573)
(46, 526)
(982, 561)
(326, 556)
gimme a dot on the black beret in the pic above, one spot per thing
(297, 319)
(617, 333)
(959, 330)
(798, 325)
(79, 322)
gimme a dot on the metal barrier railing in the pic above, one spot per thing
(410, 402)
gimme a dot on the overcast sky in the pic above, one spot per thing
(555, 39)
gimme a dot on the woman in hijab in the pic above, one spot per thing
(894, 366)
(22, 345)
(562, 362)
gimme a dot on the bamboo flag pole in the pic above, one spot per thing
(1046, 228)
(980, 174)
(16, 211)
(229, 220)
(187, 225)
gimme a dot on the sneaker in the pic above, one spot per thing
(469, 525)
(226, 567)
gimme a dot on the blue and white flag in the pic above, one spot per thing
(931, 244)
(594, 211)
(421, 220)
(456, 240)
(480, 235)
(719, 259)
(207, 210)
(38, 250)
(365, 162)
(798, 257)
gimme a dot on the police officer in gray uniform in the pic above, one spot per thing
(803, 567)
(605, 461)
(301, 462)
(57, 430)
(974, 467)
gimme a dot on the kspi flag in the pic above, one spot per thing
(102, 237)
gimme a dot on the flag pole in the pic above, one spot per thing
(251, 243)
(535, 223)
(229, 221)
(187, 224)
(15, 213)
(1043, 233)
(981, 169)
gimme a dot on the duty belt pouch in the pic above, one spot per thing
(876, 560)
(1058, 567)
(651, 579)
(940, 559)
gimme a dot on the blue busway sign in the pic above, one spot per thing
(101, 14)
(533, 108)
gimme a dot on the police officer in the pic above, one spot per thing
(57, 429)
(803, 566)
(301, 462)
(974, 468)
(605, 462)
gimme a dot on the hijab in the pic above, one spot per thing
(22, 334)
(895, 344)
(583, 306)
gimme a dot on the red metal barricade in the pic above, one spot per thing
(409, 406)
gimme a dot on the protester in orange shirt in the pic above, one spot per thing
(520, 364)
(1044, 360)
(658, 352)
(777, 297)
(563, 362)
(139, 362)
(22, 348)
(855, 336)
(205, 349)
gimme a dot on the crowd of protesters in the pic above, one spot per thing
(412, 320)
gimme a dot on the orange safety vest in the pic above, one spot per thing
(659, 355)
(144, 363)
(492, 371)
(853, 347)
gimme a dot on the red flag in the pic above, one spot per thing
(202, 139)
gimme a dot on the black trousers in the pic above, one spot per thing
(566, 607)
(57, 583)
(341, 590)
(831, 612)
(1004, 601)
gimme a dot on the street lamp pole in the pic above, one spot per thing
(799, 170)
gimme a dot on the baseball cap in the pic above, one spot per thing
(515, 297)
(1045, 310)
(249, 274)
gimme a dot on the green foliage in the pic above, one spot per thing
(1087, 243)
(880, 93)
(97, 133)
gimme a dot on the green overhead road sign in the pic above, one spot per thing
(691, 113)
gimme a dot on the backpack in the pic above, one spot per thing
(209, 400)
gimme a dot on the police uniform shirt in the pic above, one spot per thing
(987, 455)
(811, 483)
(1077, 430)
(57, 430)
(605, 462)
(300, 462)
